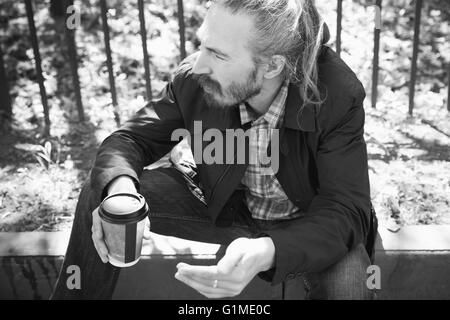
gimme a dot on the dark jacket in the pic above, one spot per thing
(322, 167)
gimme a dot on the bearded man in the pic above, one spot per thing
(263, 65)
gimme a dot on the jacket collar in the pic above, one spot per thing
(295, 117)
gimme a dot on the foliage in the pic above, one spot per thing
(409, 157)
(44, 155)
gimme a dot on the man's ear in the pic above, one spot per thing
(275, 66)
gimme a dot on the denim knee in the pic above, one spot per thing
(345, 280)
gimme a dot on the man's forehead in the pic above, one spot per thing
(226, 31)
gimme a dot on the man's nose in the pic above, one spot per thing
(201, 66)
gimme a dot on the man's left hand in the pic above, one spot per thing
(243, 260)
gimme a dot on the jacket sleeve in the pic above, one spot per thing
(338, 216)
(142, 140)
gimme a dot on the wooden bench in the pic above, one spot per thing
(414, 264)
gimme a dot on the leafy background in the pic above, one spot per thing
(40, 178)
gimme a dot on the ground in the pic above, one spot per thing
(40, 177)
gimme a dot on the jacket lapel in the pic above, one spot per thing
(296, 117)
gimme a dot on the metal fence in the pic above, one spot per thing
(4, 91)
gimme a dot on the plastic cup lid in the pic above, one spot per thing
(123, 208)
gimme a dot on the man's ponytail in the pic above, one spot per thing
(311, 30)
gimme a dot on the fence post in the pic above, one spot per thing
(448, 86)
(37, 59)
(72, 49)
(376, 56)
(412, 83)
(339, 27)
(109, 61)
(181, 29)
(5, 100)
(148, 83)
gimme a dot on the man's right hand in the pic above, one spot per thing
(118, 185)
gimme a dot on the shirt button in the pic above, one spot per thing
(290, 276)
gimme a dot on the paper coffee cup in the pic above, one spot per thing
(123, 221)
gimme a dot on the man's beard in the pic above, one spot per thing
(234, 94)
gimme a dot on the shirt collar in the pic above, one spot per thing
(274, 114)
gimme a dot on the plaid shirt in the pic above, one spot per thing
(264, 195)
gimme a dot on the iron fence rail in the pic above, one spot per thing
(37, 61)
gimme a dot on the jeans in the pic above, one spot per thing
(176, 212)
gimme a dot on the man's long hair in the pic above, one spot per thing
(291, 28)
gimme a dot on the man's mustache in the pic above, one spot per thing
(206, 82)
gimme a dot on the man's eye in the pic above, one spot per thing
(219, 56)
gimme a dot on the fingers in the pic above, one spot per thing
(205, 274)
(207, 289)
(208, 272)
(230, 260)
(233, 272)
(97, 237)
(227, 266)
(233, 256)
(147, 234)
(101, 253)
